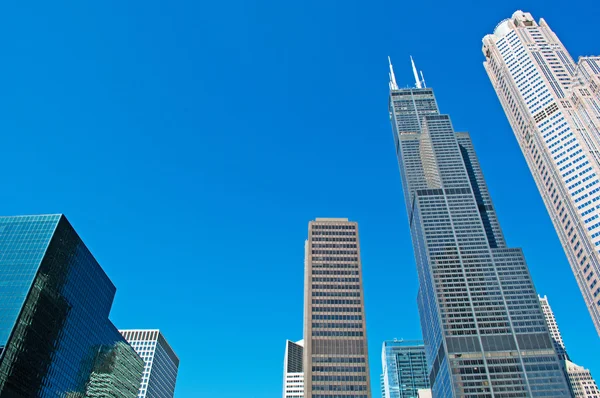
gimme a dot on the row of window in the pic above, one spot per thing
(336, 294)
(335, 333)
(337, 325)
(339, 378)
(336, 309)
(337, 317)
(340, 369)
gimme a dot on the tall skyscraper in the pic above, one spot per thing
(580, 379)
(161, 362)
(293, 375)
(336, 361)
(557, 339)
(404, 368)
(483, 328)
(55, 336)
(553, 106)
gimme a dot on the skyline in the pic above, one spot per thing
(145, 202)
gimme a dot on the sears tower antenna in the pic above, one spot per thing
(393, 85)
(417, 80)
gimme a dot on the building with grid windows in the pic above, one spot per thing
(55, 336)
(404, 368)
(557, 339)
(553, 106)
(581, 382)
(336, 362)
(161, 362)
(293, 375)
(483, 327)
(580, 379)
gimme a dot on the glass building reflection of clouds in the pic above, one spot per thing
(404, 368)
(55, 335)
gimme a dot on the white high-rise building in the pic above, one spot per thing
(580, 379)
(293, 376)
(553, 106)
(161, 362)
(557, 339)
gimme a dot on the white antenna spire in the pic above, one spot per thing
(423, 79)
(393, 85)
(415, 72)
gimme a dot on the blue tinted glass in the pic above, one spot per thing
(60, 340)
(23, 242)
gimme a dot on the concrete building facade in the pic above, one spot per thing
(336, 362)
(161, 362)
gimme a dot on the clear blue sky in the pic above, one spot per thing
(190, 143)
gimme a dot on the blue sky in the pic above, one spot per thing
(190, 143)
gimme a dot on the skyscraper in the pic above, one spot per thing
(580, 379)
(336, 362)
(553, 106)
(55, 336)
(483, 328)
(293, 375)
(557, 339)
(404, 368)
(161, 362)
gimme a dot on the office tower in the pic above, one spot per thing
(161, 362)
(483, 328)
(553, 106)
(293, 375)
(336, 362)
(557, 340)
(55, 335)
(404, 368)
(580, 379)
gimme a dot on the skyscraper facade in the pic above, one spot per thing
(161, 362)
(553, 106)
(293, 375)
(55, 336)
(483, 328)
(404, 368)
(557, 339)
(580, 379)
(336, 362)
(581, 382)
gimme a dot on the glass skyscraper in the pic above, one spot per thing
(161, 362)
(404, 369)
(336, 360)
(55, 336)
(483, 328)
(553, 106)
